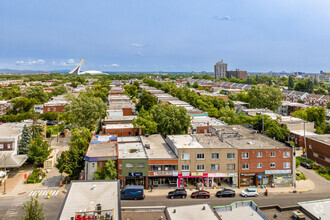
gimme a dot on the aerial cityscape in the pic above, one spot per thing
(165, 110)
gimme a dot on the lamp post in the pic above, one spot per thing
(4, 184)
(293, 166)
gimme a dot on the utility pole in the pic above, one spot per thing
(4, 184)
(263, 125)
(58, 125)
(305, 139)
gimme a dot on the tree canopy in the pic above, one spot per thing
(39, 151)
(109, 171)
(33, 210)
(25, 142)
(36, 92)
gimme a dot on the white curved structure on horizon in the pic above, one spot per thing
(91, 72)
(76, 70)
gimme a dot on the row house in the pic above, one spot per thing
(116, 90)
(316, 100)
(201, 124)
(5, 106)
(294, 96)
(56, 104)
(121, 130)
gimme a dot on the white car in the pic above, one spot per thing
(249, 192)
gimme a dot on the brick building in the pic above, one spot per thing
(238, 74)
(318, 149)
(121, 130)
(56, 104)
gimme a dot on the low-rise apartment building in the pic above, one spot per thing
(56, 104)
(121, 130)
(318, 149)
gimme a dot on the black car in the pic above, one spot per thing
(306, 165)
(178, 193)
(225, 193)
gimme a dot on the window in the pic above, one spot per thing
(245, 166)
(231, 166)
(156, 167)
(185, 167)
(259, 165)
(140, 165)
(230, 155)
(169, 167)
(129, 166)
(214, 166)
(54, 108)
(272, 154)
(272, 165)
(1, 146)
(245, 155)
(93, 164)
(259, 154)
(200, 167)
(200, 157)
(185, 156)
(215, 156)
(48, 109)
(286, 154)
(286, 165)
(120, 166)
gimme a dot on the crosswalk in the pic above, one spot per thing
(43, 192)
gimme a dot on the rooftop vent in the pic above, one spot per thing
(132, 150)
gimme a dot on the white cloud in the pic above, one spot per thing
(224, 18)
(110, 65)
(137, 45)
(115, 65)
(18, 62)
(71, 61)
(30, 62)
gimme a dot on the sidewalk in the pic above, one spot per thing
(301, 186)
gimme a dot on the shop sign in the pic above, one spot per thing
(197, 174)
(279, 178)
(185, 174)
(135, 174)
(163, 173)
(259, 177)
(248, 174)
(277, 171)
(175, 173)
(231, 174)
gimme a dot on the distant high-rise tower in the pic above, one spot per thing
(76, 70)
(220, 69)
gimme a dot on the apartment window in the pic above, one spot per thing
(215, 156)
(272, 154)
(156, 167)
(259, 154)
(214, 166)
(185, 168)
(200, 167)
(54, 108)
(245, 155)
(185, 156)
(129, 165)
(286, 165)
(245, 166)
(230, 155)
(272, 165)
(286, 154)
(169, 167)
(140, 165)
(120, 166)
(200, 157)
(1, 146)
(93, 165)
(231, 166)
(48, 109)
(259, 165)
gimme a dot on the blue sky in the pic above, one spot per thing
(165, 35)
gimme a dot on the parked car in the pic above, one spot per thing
(49, 122)
(225, 193)
(249, 192)
(306, 165)
(200, 194)
(132, 192)
(178, 193)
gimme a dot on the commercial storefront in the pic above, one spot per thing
(163, 178)
(269, 178)
(191, 180)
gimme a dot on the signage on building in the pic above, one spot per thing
(135, 174)
(175, 173)
(163, 173)
(197, 174)
(185, 174)
(277, 171)
(259, 177)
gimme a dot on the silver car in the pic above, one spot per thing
(249, 192)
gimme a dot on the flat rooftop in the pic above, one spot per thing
(118, 126)
(9, 130)
(140, 214)
(117, 106)
(284, 119)
(158, 147)
(301, 133)
(242, 212)
(131, 151)
(205, 120)
(324, 138)
(119, 118)
(129, 139)
(243, 138)
(184, 141)
(188, 212)
(213, 141)
(102, 146)
(84, 195)
(320, 209)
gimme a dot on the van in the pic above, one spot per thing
(132, 192)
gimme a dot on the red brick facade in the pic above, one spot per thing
(58, 108)
(318, 151)
(127, 111)
(123, 132)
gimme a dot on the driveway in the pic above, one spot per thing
(321, 184)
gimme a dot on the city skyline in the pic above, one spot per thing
(185, 36)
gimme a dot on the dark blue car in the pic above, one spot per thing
(132, 192)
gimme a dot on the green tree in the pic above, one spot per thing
(147, 101)
(59, 90)
(310, 86)
(131, 90)
(109, 172)
(85, 111)
(72, 161)
(23, 104)
(328, 105)
(36, 92)
(195, 85)
(312, 114)
(146, 122)
(39, 151)
(291, 82)
(25, 142)
(33, 210)
(265, 97)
